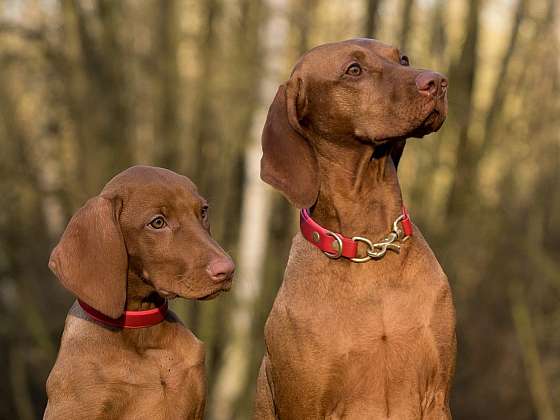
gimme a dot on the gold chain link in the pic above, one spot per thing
(379, 249)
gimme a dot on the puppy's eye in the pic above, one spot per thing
(405, 61)
(158, 222)
(204, 212)
(354, 69)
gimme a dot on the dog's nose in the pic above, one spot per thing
(431, 83)
(220, 269)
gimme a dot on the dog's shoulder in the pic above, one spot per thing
(185, 341)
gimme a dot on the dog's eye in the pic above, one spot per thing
(204, 212)
(405, 61)
(354, 70)
(158, 222)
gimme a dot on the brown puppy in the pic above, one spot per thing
(371, 340)
(144, 238)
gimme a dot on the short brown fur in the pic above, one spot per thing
(345, 340)
(111, 258)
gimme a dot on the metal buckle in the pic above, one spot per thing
(379, 249)
(370, 245)
(339, 243)
(375, 250)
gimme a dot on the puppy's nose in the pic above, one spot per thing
(220, 269)
(431, 83)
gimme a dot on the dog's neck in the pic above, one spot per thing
(359, 190)
(140, 295)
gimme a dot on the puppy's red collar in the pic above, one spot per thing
(129, 319)
(336, 245)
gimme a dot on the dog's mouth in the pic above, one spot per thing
(432, 123)
(430, 120)
(224, 287)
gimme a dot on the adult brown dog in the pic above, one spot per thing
(371, 340)
(143, 239)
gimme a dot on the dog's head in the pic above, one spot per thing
(358, 90)
(148, 221)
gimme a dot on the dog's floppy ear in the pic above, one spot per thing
(288, 162)
(397, 151)
(91, 259)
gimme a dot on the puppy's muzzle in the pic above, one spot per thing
(220, 269)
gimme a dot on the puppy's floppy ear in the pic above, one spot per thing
(397, 151)
(288, 162)
(91, 259)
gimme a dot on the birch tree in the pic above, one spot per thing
(255, 212)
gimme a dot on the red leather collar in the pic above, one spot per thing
(129, 319)
(337, 245)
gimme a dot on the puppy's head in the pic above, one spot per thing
(358, 90)
(148, 221)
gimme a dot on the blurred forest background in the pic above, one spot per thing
(89, 87)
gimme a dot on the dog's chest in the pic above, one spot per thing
(389, 321)
(163, 370)
(164, 384)
(107, 379)
(158, 384)
(375, 345)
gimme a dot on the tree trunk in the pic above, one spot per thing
(167, 127)
(462, 78)
(372, 18)
(206, 138)
(438, 36)
(239, 105)
(406, 23)
(232, 377)
(531, 357)
(500, 88)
